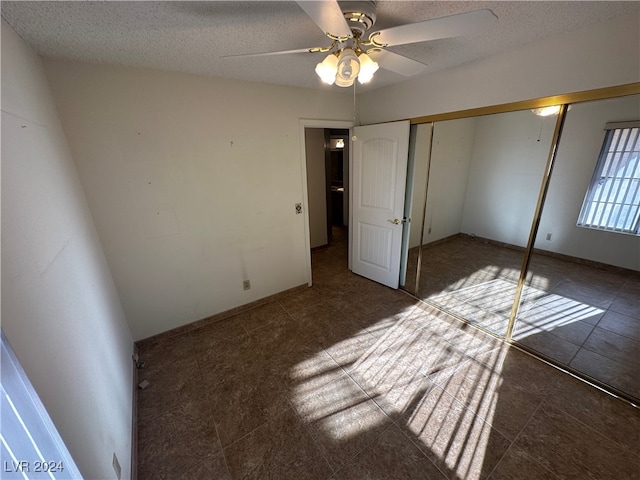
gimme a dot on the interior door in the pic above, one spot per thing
(379, 174)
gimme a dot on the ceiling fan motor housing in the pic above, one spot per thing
(360, 16)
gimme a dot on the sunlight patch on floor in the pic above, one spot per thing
(403, 369)
(551, 312)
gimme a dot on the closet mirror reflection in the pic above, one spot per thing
(483, 178)
(581, 303)
(475, 200)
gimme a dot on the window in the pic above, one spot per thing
(612, 202)
(30, 446)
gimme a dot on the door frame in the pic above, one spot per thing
(303, 124)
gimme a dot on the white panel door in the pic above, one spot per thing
(379, 174)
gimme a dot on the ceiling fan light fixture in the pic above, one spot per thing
(349, 25)
(344, 82)
(327, 69)
(348, 68)
(546, 111)
(367, 68)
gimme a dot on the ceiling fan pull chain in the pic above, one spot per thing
(354, 104)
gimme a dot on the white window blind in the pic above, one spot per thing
(612, 202)
(30, 446)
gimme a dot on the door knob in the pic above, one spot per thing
(397, 221)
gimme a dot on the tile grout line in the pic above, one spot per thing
(313, 439)
(209, 407)
(593, 429)
(513, 447)
(392, 422)
(515, 439)
(414, 443)
(581, 346)
(291, 316)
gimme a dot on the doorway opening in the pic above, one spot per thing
(327, 165)
(337, 173)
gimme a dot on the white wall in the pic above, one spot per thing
(604, 55)
(419, 141)
(509, 155)
(486, 174)
(577, 155)
(60, 310)
(192, 182)
(453, 143)
(316, 186)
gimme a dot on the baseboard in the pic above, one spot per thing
(537, 251)
(442, 240)
(134, 419)
(584, 261)
(141, 344)
(556, 255)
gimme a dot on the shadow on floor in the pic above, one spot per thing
(351, 380)
(580, 316)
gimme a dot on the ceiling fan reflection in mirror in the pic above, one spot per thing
(357, 50)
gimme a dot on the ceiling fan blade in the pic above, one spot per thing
(469, 23)
(396, 63)
(268, 54)
(328, 16)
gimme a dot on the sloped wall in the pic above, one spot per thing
(60, 310)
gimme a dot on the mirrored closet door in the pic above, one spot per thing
(484, 177)
(581, 303)
(527, 226)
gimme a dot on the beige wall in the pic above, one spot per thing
(192, 182)
(506, 168)
(60, 310)
(578, 153)
(486, 173)
(449, 177)
(601, 55)
(604, 55)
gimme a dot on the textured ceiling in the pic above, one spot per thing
(194, 36)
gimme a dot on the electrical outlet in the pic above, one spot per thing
(246, 284)
(548, 236)
(116, 467)
(137, 362)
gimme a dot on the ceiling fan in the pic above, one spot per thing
(357, 50)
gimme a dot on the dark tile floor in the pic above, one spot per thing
(351, 380)
(581, 316)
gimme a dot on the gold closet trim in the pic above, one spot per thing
(567, 98)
